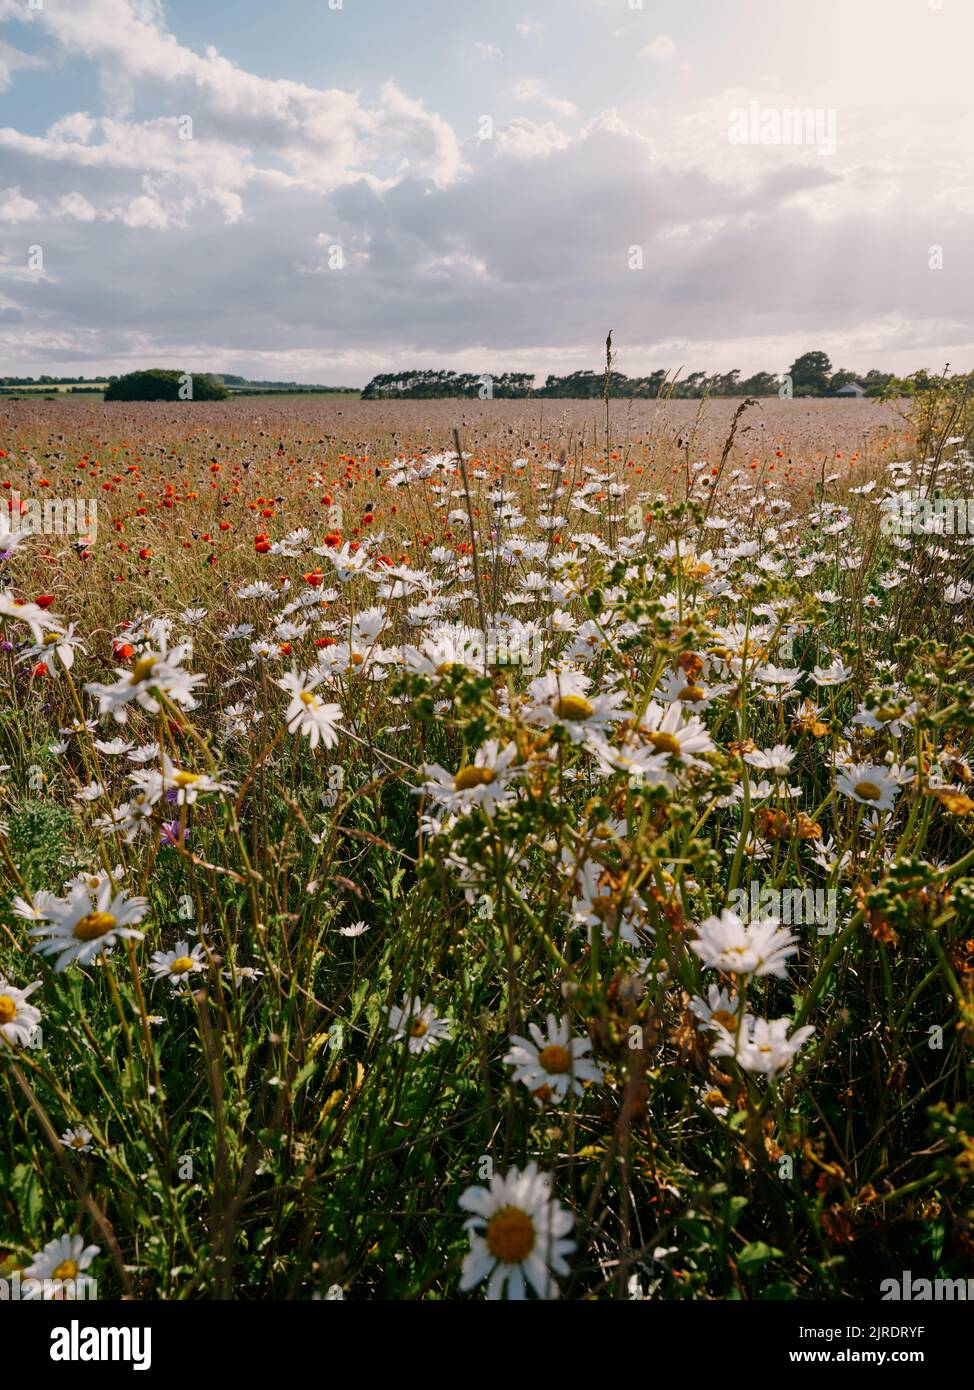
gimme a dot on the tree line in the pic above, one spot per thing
(811, 374)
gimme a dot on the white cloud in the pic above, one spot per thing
(661, 49)
(147, 211)
(79, 126)
(324, 136)
(14, 207)
(531, 89)
(488, 50)
(77, 206)
(511, 252)
(527, 89)
(523, 139)
(11, 59)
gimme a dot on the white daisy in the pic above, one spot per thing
(555, 1065)
(356, 929)
(718, 1010)
(777, 760)
(678, 738)
(517, 1234)
(178, 964)
(712, 1099)
(37, 618)
(754, 948)
(307, 713)
(561, 699)
(79, 1139)
(239, 973)
(869, 785)
(77, 928)
(418, 1023)
(484, 782)
(152, 674)
(176, 783)
(18, 1019)
(834, 674)
(762, 1046)
(63, 1259)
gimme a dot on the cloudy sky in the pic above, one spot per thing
(318, 191)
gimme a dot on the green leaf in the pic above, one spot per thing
(756, 1254)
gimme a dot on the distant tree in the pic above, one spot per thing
(692, 385)
(841, 378)
(921, 381)
(810, 374)
(728, 383)
(160, 384)
(760, 384)
(877, 383)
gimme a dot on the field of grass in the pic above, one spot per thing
(543, 869)
(54, 389)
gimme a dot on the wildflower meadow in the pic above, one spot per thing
(477, 850)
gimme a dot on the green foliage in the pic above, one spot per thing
(161, 384)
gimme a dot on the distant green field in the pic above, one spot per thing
(50, 388)
(94, 388)
(287, 391)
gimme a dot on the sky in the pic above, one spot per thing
(320, 190)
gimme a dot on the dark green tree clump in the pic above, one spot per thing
(430, 385)
(159, 384)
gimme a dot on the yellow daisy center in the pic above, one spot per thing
(555, 1059)
(605, 907)
(714, 1098)
(309, 698)
(887, 712)
(51, 639)
(8, 1009)
(725, 1019)
(510, 1235)
(93, 925)
(185, 779)
(418, 1028)
(868, 791)
(665, 743)
(142, 669)
(574, 708)
(444, 668)
(67, 1269)
(691, 694)
(181, 964)
(356, 658)
(469, 777)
